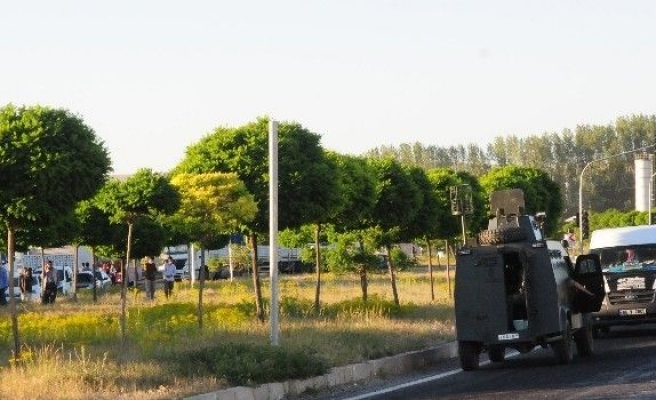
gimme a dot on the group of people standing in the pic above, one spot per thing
(150, 276)
(26, 281)
(49, 281)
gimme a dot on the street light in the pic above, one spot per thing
(581, 187)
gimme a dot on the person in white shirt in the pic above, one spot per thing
(169, 276)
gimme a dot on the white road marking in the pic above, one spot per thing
(419, 381)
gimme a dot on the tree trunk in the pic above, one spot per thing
(201, 285)
(317, 247)
(390, 267)
(124, 286)
(93, 270)
(448, 267)
(430, 268)
(12, 299)
(259, 310)
(363, 283)
(76, 255)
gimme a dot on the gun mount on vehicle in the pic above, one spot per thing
(517, 289)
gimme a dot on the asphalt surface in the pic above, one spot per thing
(623, 367)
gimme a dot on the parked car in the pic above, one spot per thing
(85, 280)
(102, 279)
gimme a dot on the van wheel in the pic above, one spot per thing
(562, 348)
(584, 341)
(469, 355)
(496, 353)
(505, 234)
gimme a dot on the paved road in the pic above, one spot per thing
(623, 367)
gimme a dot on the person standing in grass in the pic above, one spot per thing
(150, 270)
(169, 276)
(49, 280)
(25, 281)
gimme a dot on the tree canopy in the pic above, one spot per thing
(49, 161)
(541, 193)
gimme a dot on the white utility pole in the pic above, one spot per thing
(651, 194)
(273, 229)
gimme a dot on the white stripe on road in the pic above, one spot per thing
(419, 381)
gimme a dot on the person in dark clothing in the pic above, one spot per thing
(49, 280)
(25, 281)
(150, 272)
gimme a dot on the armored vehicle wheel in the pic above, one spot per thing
(562, 348)
(505, 234)
(584, 341)
(469, 355)
(496, 353)
(600, 332)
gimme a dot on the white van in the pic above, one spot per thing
(628, 260)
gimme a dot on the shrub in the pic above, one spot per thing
(242, 364)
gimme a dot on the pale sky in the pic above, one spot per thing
(152, 77)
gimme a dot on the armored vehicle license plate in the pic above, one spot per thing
(635, 311)
(509, 336)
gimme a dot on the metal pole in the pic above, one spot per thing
(273, 229)
(581, 187)
(651, 193)
(192, 263)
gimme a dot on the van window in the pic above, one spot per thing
(621, 258)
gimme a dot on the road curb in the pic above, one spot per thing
(388, 366)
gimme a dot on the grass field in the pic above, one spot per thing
(74, 350)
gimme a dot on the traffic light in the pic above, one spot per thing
(585, 225)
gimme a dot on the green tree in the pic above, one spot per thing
(213, 205)
(357, 183)
(397, 201)
(304, 181)
(144, 194)
(94, 230)
(49, 161)
(541, 193)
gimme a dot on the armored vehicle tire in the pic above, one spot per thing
(496, 353)
(469, 354)
(562, 348)
(599, 332)
(506, 234)
(584, 341)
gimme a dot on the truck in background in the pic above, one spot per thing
(628, 259)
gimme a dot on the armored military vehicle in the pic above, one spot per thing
(516, 289)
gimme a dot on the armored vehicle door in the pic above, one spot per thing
(589, 284)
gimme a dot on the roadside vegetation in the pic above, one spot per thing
(73, 350)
